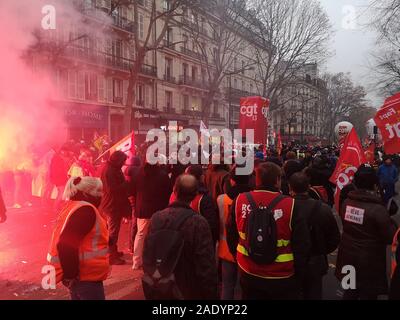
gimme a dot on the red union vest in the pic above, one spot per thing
(321, 192)
(283, 267)
(395, 245)
(93, 251)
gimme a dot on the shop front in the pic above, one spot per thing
(85, 120)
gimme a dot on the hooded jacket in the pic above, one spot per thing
(367, 230)
(151, 190)
(115, 191)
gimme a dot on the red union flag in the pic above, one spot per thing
(387, 120)
(125, 145)
(351, 158)
(253, 115)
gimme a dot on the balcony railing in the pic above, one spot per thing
(169, 78)
(123, 23)
(118, 100)
(236, 93)
(191, 53)
(149, 70)
(169, 110)
(97, 57)
(95, 11)
(168, 44)
(194, 25)
(196, 83)
(140, 103)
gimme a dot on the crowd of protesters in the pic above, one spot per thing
(215, 205)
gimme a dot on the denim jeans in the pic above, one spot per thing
(87, 290)
(229, 279)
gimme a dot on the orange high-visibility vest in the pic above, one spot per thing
(224, 206)
(93, 251)
(395, 245)
(283, 266)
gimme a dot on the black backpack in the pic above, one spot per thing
(261, 231)
(161, 253)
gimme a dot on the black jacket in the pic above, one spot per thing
(151, 190)
(209, 211)
(196, 271)
(324, 231)
(300, 237)
(115, 192)
(364, 241)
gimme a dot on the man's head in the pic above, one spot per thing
(291, 155)
(268, 175)
(387, 159)
(238, 179)
(366, 178)
(186, 188)
(299, 183)
(291, 167)
(196, 171)
(118, 159)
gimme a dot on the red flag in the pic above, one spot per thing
(370, 153)
(253, 115)
(351, 158)
(387, 120)
(127, 144)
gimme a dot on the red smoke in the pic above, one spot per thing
(28, 123)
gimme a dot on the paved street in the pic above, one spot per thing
(24, 241)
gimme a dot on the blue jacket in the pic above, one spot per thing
(387, 174)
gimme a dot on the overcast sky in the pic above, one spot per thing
(352, 42)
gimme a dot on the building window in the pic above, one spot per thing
(215, 107)
(72, 80)
(140, 95)
(169, 36)
(194, 73)
(141, 26)
(168, 100)
(168, 68)
(166, 5)
(185, 41)
(185, 71)
(110, 90)
(101, 88)
(91, 86)
(185, 102)
(117, 93)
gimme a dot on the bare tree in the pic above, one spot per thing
(385, 17)
(343, 97)
(220, 37)
(297, 31)
(158, 22)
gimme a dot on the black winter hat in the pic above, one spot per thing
(366, 177)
